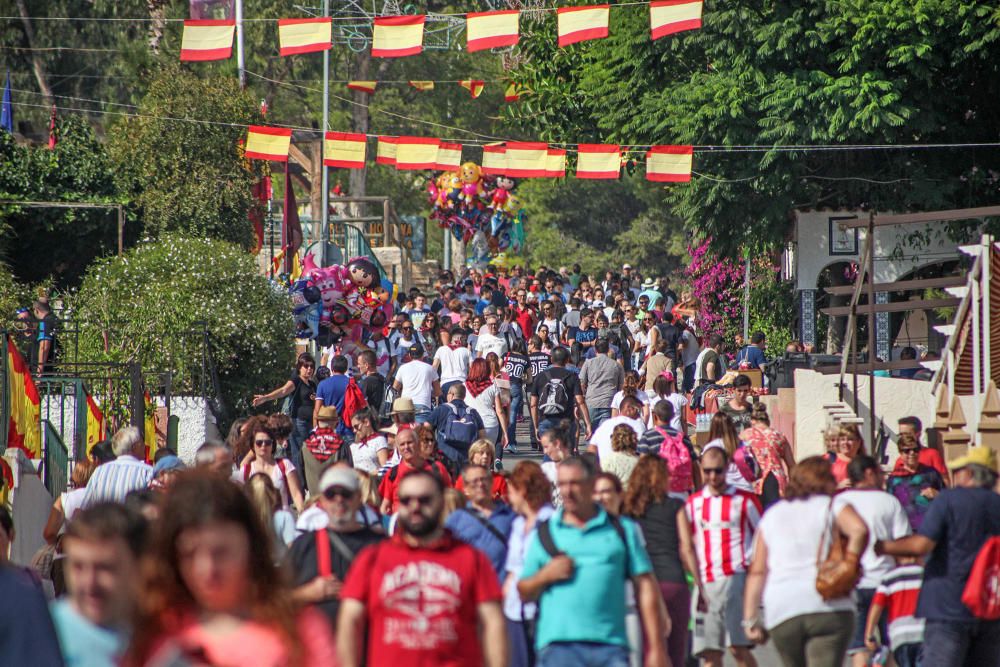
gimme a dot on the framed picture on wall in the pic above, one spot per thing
(842, 240)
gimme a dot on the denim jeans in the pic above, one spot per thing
(422, 412)
(516, 405)
(549, 424)
(958, 643)
(688, 385)
(583, 654)
(300, 431)
(909, 655)
(598, 415)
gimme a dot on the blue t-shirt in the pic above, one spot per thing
(751, 354)
(332, 391)
(588, 336)
(595, 593)
(84, 644)
(959, 521)
(466, 527)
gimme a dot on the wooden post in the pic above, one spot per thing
(955, 439)
(989, 420)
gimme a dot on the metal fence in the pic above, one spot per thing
(55, 460)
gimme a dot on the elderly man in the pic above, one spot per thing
(484, 522)
(113, 481)
(320, 559)
(411, 460)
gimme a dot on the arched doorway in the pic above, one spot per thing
(830, 331)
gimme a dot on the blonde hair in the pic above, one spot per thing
(264, 499)
(480, 446)
(82, 471)
(368, 488)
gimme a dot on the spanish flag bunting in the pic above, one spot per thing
(345, 150)
(555, 163)
(304, 35)
(598, 161)
(416, 153)
(475, 88)
(578, 24)
(207, 40)
(494, 160)
(385, 150)
(24, 427)
(491, 30)
(396, 36)
(363, 86)
(449, 157)
(669, 16)
(268, 143)
(513, 93)
(95, 423)
(422, 85)
(669, 164)
(527, 159)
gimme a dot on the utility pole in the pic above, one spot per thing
(746, 298)
(240, 63)
(325, 202)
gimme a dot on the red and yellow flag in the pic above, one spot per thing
(24, 429)
(598, 161)
(449, 157)
(149, 426)
(416, 153)
(395, 36)
(95, 424)
(494, 160)
(385, 150)
(669, 164)
(345, 150)
(669, 16)
(268, 143)
(475, 88)
(363, 86)
(555, 163)
(304, 35)
(527, 159)
(513, 93)
(491, 30)
(578, 24)
(207, 40)
(422, 86)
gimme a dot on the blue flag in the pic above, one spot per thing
(7, 108)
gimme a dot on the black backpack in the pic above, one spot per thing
(553, 399)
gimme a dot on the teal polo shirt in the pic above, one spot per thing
(590, 606)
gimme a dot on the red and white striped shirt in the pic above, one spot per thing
(722, 528)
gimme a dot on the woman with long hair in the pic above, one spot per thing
(808, 631)
(430, 332)
(547, 344)
(302, 388)
(69, 501)
(631, 388)
(212, 595)
(849, 444)
(530, 496)
(661, 517)
(278, 522)
(665, 389)
(773, 454)
(624, 453)
(261, 459)
(483, 396)
(370, 449)
(742, 469)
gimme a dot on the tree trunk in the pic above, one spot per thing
(36, 60)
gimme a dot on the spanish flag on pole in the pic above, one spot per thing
(669, 164)
(385, 150)
(475, 88)
(95, 424)
(598, 161)
(268, 143)
(345, 150)
(414, 153)
(669, 16)
(491, 30)
(578, 24)
(207, 40)
(449, 157)
(396, 36)
(24, 429)
(304, 35)
(363, 86)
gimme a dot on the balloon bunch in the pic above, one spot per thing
(340, 303)
(466, 202)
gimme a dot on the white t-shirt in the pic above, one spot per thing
(417, 380)
(676, 400)
(616, 402)
(689, 354)
(602, 436)
(792, 530)
(698, 364)
(489, 343)
(72, 501)
(485, 405)
(364, 453)
(550, 468)
(454, 363)
(554, 327)
(886, 520)
(279, 478)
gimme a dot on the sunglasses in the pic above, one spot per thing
(263, 443)
(338, 492)
(420, 500)
(909, 450)
(406, 328)
(713, 471)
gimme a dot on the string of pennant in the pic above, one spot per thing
(399, 36)
(519, 159)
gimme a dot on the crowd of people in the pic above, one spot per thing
(387, 513)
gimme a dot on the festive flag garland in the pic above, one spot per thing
(598, 161)
(449, 157)
(669, 164)
(268, 143)
(492, 30)
(385, 151)
(526, 159)
(494, 160)
(416, 153)
(512, 94)
(397, 36)
(422, 86)
(667, 17)
(363, 86)
(344, 150)
(475, 88)
(555, 163)
(579, 24)
(205, 40)
(304, 35)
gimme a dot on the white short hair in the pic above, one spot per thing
(207, 452)
(125, 440)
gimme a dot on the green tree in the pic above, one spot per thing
(180, 158)
(150, 305)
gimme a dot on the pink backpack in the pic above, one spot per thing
(678, 458)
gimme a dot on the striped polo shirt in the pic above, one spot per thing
(114, 480)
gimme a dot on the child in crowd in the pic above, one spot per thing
(898, 593)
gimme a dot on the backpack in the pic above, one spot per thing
(459, 430)
(746, 463)
(982, 588)
(383, 412)
(434, 470)
(545, 538)
(324, 561)
(354, 402)
(553, 400)
(678, 458)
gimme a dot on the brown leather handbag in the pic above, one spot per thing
(839, 572)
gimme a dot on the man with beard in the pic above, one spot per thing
(423, 597)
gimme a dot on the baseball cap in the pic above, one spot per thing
(339, 476)
(626, 266)
(981, 455)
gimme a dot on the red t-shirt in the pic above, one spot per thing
(421, 601)
(389, 488)
(927, 457)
